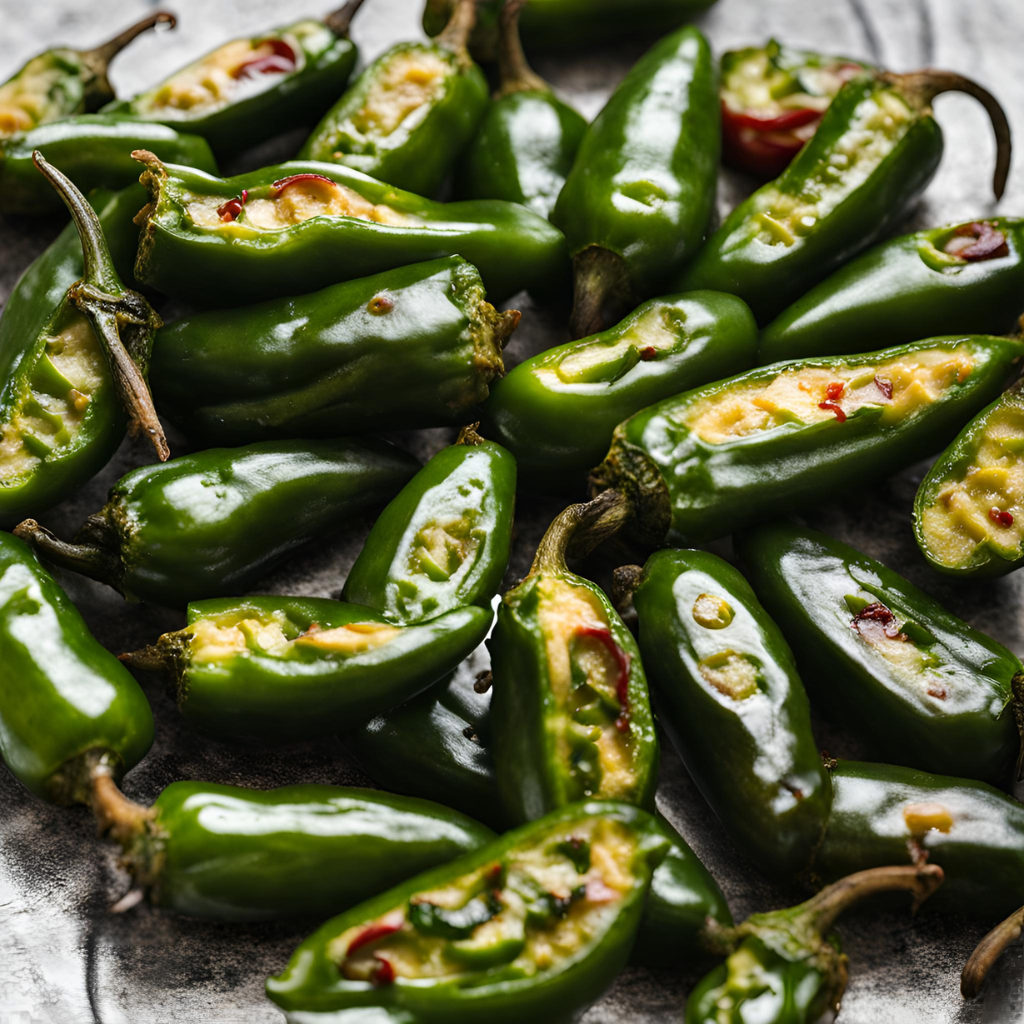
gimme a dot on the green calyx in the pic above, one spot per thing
(579, 529)
(628, 470)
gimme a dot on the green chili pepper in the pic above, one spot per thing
(730, 696)
(747, 449)
(249, 89)
(65, 698)
(557, 411)
(302, 226)
(784, 967)
(888, 662)
(476, 940)
(62, 82)
(214, 522)
(642, 190)
(962, 277)
(876, 149)
(528, 138)
(313, 365)
(988, 951)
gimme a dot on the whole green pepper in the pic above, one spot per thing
(528, 138)
(316, 365)
(916, 684)
(962, 277)
(988, 951)
(249, 89)
(65, 699)
(876, 149)
(301, 226)
(729, 694)
(213, 522)
(557, 411)
(642, 190)
(774, 439)
(62, 82)
(475, 940)
(410, 114)
(571, 714)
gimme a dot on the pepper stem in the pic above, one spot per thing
(988, 951)
(625, 581)
(455, 35)
(578, 530)
(100, 56)
(92, 560)
(514, 68)
(340, 20)
(122, 818)
(469, 435)
(153, 658)
(601, 291)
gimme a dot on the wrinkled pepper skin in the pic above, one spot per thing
(916, 684)
(313, 365)
(64, 696)
(230, 262)
(478, 979)
(214, 522)
(557, 411)
(693, 471)
(959, 278)
(728, 691)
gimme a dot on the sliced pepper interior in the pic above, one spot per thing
(34, 94)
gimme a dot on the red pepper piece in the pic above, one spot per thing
(832, 395)
(280, 61)
(876, 612)
(279, 186)
(384, 974)
(622, 660)
(1000, 517)
(372, 932)
(649, 352)
(977, 242)
(785, 121)
(884, 385)
(233, 207)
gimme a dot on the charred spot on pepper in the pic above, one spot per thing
(271, 57)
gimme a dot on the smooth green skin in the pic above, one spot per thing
(954, 464)
(95, 151)
(270, 103)
(685, 490)
(64, 694)
(309, 692)
(748, 757)
(803, 578)
(238, 854)
(523, 150)
(558, 429)
(643, 184)
(982, 855)
(465, 484)
(770, 277)
(513, 248)
(901, 290)
(422, 151)
(312, 981)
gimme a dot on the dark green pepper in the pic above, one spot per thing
(769, 441)
(962, 277)
(316, 365)
(475, 940)
(876, 149)
(301, 226)
(729, 694)
(557, 411)
(988, 951)
(213, 522)
(642, 190)
(916, 684)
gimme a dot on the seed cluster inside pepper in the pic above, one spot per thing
(977, 242)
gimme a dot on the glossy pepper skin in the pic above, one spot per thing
(477, 978)
(250, 89)
(813, 218)
(416, 147)
(962, 277)
(213, 522)
(729, 693)
(917, 684)
(315, 365)
(65, 696)
(772, 440)
(557, 411)
(228, 261)
(642, 190)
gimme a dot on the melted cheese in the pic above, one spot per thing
(730, 673)
(208, 83)
(409, 81)
(922, 818)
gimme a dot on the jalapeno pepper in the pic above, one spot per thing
(962, 277)
(876, 149)
(62, 82)
(557, 411)
(642, 190)
(536, 924)
(301, 226)
(916, 684)
(215, 521)
(528, 138)
(988, 951)
(64, 698)
(251, 88)
(747, 449)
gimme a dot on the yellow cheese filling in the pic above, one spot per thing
(25, 100)
(410, 80)
(923, 817)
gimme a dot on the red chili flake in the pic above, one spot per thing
(384, 974)
(832, 395)
(233, 207)
(648, 353)
(977, 242)
(373, 932)
(280, 61)
(1000, 517)
(279, 186)
(622, 659)
(884, 385)
(938, 690)
(783, 122)
(878, 613)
